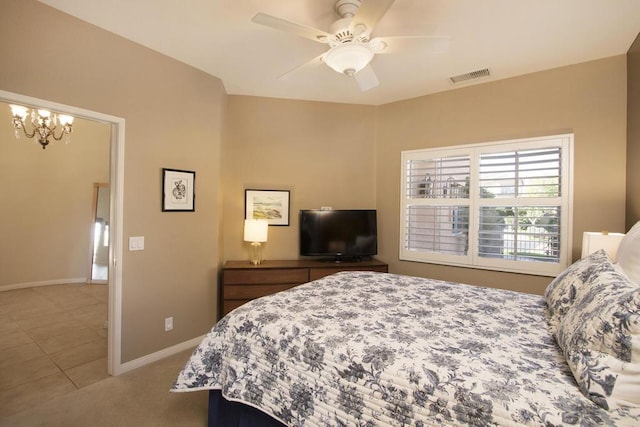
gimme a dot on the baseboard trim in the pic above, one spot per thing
(42, 283)
(158, 355)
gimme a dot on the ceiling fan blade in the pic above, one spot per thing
(369, 13)
(417, 44)
(291, 27)
(311, 63)
(366, 78)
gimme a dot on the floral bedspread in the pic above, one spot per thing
(364, 348)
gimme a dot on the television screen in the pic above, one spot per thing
(338, 233)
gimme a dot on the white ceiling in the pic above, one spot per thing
(509, 37)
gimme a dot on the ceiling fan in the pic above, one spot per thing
(351, 47)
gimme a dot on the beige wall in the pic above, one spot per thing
(587, 99)
(322, 153)
(633, 134)
(173, 119)
(46, 216)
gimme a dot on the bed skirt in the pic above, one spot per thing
(223, 413)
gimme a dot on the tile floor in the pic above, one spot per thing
(53, 340)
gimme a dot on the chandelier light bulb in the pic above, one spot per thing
(19, 111)
(65, 120)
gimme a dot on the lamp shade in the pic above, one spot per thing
(256, 230)
(592, 242)
(65, 120)
(349, 58)
(19, 111)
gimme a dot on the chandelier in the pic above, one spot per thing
(43, 123)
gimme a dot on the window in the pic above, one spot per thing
(502, 205)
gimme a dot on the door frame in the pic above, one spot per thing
(116, 212)
(92, 239)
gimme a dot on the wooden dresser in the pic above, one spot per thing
(242, 282)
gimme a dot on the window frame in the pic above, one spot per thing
(472, 260)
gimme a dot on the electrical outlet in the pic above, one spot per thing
(168, 324)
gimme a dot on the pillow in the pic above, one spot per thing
(562, 291)
(600, 339)
(629, 253)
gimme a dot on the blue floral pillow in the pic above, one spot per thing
(561, 292)
(600, 338)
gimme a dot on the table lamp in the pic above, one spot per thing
(592, 241)
(255, 231)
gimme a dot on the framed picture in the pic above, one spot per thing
(178, 190)
(272, 205)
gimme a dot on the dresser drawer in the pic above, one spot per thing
(318, 273)
(244, 292)
(266, 276)
(231, 304)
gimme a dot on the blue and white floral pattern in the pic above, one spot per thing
(562, 291)
(377, 349)
(600, 337)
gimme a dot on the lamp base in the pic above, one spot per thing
(255, 253)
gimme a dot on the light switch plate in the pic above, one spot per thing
(136, 243)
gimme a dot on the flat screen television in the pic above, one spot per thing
(339, 235)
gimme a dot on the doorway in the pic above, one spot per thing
(116, 192)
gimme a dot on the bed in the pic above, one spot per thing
(373, 349)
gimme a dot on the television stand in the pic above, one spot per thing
(339, 259)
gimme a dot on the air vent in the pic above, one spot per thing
(470, 76)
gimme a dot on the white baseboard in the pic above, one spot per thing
(158, 355)
(42, 283)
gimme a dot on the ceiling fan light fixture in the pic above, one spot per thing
(349, 58)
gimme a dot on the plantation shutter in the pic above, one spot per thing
(437, 215)
(525, 222)
(502, 205)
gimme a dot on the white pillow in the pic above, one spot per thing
(629, 253)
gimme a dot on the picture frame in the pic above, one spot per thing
(272, 205)
(178, 190)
